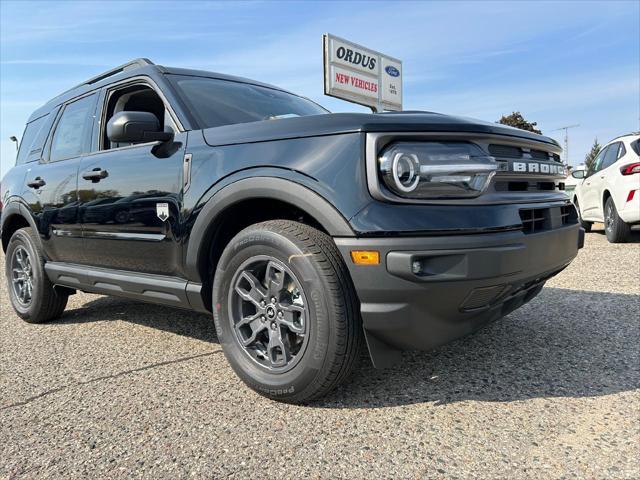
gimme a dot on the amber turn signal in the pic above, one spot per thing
(365, 257)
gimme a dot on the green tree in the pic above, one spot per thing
(517, 120)
(590, 157)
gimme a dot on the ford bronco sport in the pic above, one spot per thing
(304, 233)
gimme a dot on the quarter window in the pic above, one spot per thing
(610, 156)
(72, 135)
(31, 133)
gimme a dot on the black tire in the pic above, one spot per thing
(584, 224)
(45, 302)
(616, 229)
(334, 333)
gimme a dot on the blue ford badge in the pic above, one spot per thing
(393, 71)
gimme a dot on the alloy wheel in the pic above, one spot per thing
(22, 276)
(269, 313)
(608, 218)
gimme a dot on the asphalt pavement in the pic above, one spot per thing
(121, 389)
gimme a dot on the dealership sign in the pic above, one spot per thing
(360, 75)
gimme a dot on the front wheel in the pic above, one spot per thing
(286, 312)
(616, 229)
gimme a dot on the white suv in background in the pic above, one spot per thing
(610, 191)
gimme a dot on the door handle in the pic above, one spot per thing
(36, 183)
(95, 175)
(602, 176)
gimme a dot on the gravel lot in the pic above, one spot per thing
(119, 389)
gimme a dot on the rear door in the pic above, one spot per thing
(51, 183)
(131, 198)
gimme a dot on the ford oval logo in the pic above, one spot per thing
(393, 71)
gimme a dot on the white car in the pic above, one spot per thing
(610, 189)
(571, 182)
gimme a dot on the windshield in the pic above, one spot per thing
(218, 102)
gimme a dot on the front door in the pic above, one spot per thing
(130, 198)
(595, 183)
(590, 189)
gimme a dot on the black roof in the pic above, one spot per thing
(138, 66)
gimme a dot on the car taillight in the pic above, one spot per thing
(630, 169)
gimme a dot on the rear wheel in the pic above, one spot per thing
(286, 313)
(616, 229)
(584, 224)
(31, 293)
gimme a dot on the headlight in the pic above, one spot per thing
(436, 169)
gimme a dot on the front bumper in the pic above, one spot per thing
(464, 281)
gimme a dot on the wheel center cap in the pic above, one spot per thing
(271, 312)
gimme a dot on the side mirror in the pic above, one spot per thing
(578, 174)
(136, 127)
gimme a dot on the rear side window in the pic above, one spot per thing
(622, 151)
(611, 156)
(73, 131)
(29, 137)
(597, 163)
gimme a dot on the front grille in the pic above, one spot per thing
(483, 297)
(539, 155)
(524, 186)
(569, 214)
(510, 151)
(505, 151)
(533, 219)
(536, 220)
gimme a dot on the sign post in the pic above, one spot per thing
(360, 75)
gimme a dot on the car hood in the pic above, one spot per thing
(336, 123)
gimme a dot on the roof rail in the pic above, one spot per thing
(138, 62)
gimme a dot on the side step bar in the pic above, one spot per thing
(161, 289)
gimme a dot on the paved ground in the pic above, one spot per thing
(119, 389)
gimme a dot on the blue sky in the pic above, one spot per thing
(558, 63)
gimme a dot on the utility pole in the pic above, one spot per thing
(566, 140)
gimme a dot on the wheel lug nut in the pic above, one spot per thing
(274, 325)
(273, 299)
(280, 314)
(263, 319)
(262, 303)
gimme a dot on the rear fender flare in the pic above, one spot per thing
(16, 207)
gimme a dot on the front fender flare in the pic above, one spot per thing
(259, 187)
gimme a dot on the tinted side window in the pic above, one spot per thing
(597, 163)
(31, 133)
(73, 131)
(611, 156)
(622, 151)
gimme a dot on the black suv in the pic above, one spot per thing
(305, 233)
